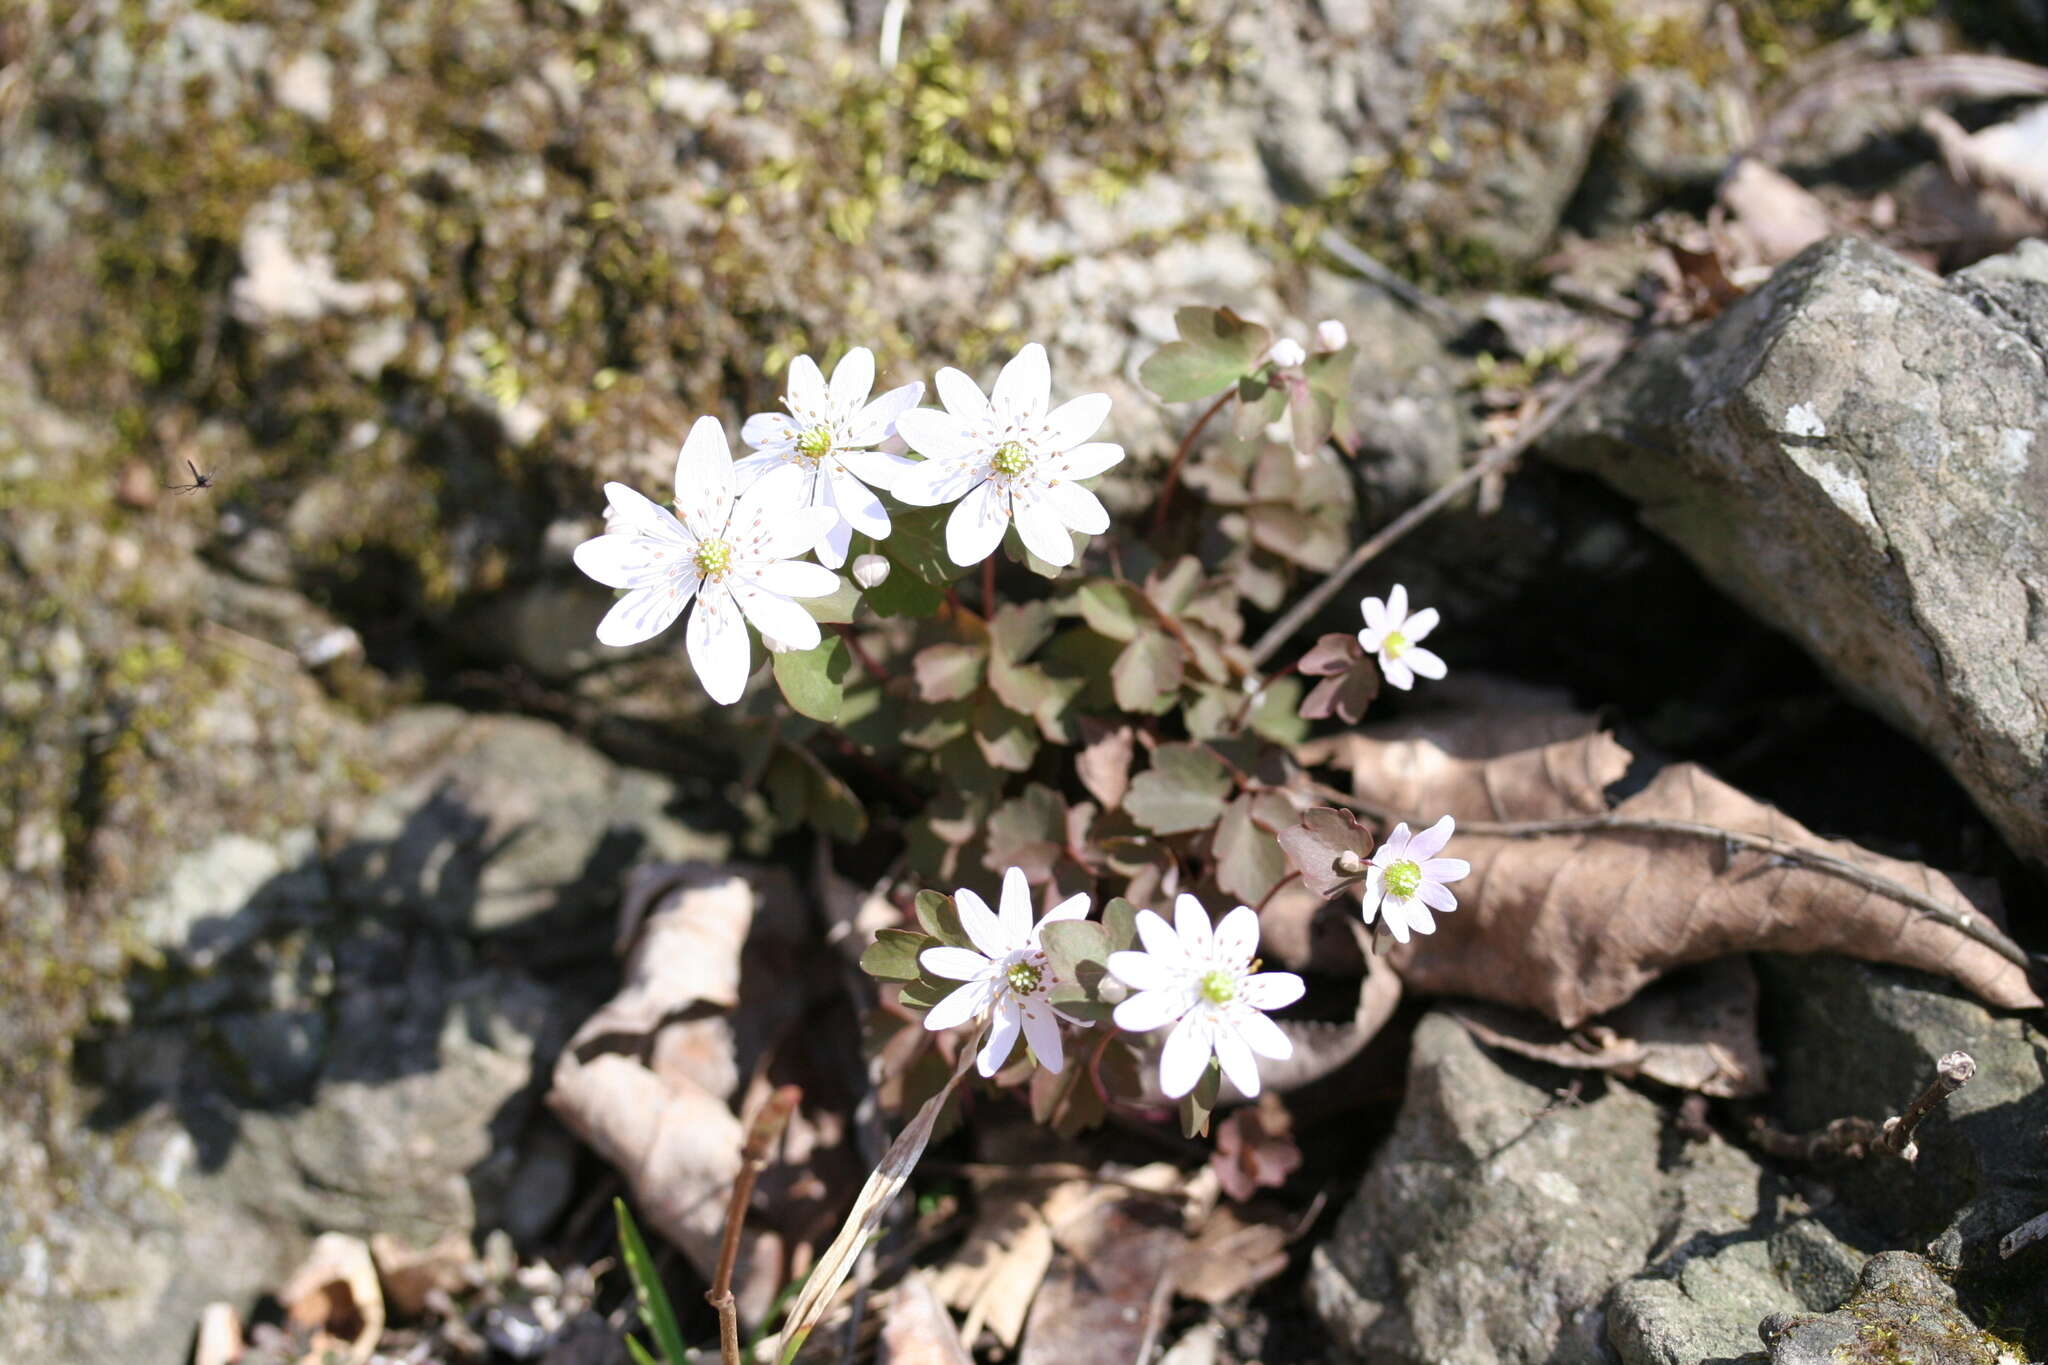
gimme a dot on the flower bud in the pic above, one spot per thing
(1350, 864)
(1287, 353)
(870, 571)
(1331, 335)
(776, 646)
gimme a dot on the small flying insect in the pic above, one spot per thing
(199, 481)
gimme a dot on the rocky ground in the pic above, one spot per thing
(319, 800)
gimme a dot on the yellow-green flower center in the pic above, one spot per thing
(1394, 644)
(1011, 458)
(1023, 977)
(713, 558)
(814, 442)
(1403, 879)
(1219, 987)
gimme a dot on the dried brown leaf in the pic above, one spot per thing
(916, 1329)
(1104, 763)
(335, 1296)
(1101, 1301)
(1774, 217)
(995, 1275)
(1695, 1029)
(410, 1275)
(1236, 1251)
(1529, 765)
(220, 1331)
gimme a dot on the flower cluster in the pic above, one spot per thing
(812, 481)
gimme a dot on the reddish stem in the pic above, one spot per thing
(1180, 457)
(860, 653)
(761, 1134)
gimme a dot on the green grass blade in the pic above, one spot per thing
(655, 1309)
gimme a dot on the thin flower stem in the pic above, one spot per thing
(860, 653)
(1496, 457)
(761, 1134)
(1293, 875)
(1973, 926)
(1180, 457)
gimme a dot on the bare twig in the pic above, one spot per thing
(761, 1134)
(1417, 298)
(1180, 457)
(1951, 1074)
(2025, 1235)
(1974, 926)
(1496, 457)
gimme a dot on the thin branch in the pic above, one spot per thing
(1180, 457)
(1974, 926)
(860, 653)
(761, 1135)
(1417, 298)
(1496, 457)
(1855, 1138)
(2025, 1235)
(1951, 1074)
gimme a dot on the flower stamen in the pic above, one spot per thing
(1011, 458)
(1393, 644)
(1403, 878)
(1219, 987)
(814, 443)
(1023, 977)
(713, 559)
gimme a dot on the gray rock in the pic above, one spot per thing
(1706, 1313)
(1851, 452)
(1901, 1310)
(1496, 1219)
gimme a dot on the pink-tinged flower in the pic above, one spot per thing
(828, 434)
(1010, 976)
(1406, 880)
(1205, 984)
(734, 555)
(1007, 459)
(1396, 637)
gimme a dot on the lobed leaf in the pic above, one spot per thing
(1249, 859)
(1184, 790)
(1320, 841)
(1147, 676)
(1215, 348)
(1120, 923)
(1111, 609)
(1104, 763)
(893, 955)
(1330, 656)
(837, 608)
(940, 918)
(1028, 831)
(949, 672)
(813, 681)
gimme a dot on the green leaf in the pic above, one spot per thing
(949, 672)
(893, 955)
(1276, 715)
(925, 992)
(656, 1311)
(639, 1353)
(1110, 608)
(813, 681)
(1259, 405)
(1216, 346)
(1079, 954)
(1120, 923)
(1147, 675)
(941, 918)
(837, 609)
(1199, 1103)
(905, 594)
(1329, 372)
(1184, 790)
(1249, 861)
(1021, 627)
(1006, 739)
(1311, 415)
(1028, 831)
(1172, 588)
(917, 542)
(804, 791)
(1296, 536)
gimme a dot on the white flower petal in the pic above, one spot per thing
(955, 964)
(1419, 920)
(807, 394)
(874, 423)
(1083, 461)
(941, 436)
(643, 614)
(768, 428)
(1024, 387)
(1074, 421)
(1394, 914)
(1185, 1056)
(1151, 1009)
(1371, 638)
(634, 513)
(795, 578)
(1437, 897)
(937, 482)
(704, 488)
(1374, 896)
(746, 473)
(1075, 506)
(1160, 940)
(1013, 907)
(774, 615)
(1237, 937)
(984, 930)
(1425, 663)
(1446, 869)
(961, 395)
(1397, 606)
(717, 643)
(832, 547)
(1270, 990)
(875, 468)
(1396, 673)
(1042, 1031)
(1040, 529)
(976, 527)
(1002, 1037)
(1240, 1068)
(1073, 907)
(1420, 624)
(862, 510)
(1262, 1035)
(959, 1007)
(1430, 842)
(1375, 613)
(1191, 923)
(853, 379)
(1141, 971)
(633, 561)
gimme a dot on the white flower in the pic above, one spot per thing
(1202, 981)
(1395, 636)
(1006, 458)
(1011, 974)
(1406, 880)
(870, 571)
(1287, 353)
(1332, 335)
(734, 555)
(827, 434)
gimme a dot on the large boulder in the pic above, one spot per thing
(1853, 453)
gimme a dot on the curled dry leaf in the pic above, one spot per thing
(220, 1335)
(409, 1276)
(1572, 912)
(335, 1296)
(916, 1329)
(1695, 1029)
(996, 1273)
(1236, 1251)
(1109, 1288)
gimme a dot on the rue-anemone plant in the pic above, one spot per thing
(1046, 718)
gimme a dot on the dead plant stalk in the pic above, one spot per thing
(761, 1135)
